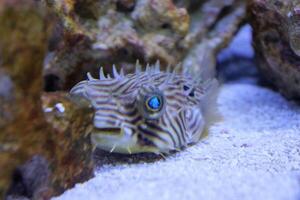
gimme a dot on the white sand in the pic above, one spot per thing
(253, 154)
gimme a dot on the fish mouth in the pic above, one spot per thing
(118, 140)
(109, 130)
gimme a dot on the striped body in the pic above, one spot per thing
(125, 123)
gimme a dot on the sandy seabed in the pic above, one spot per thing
(254, 153)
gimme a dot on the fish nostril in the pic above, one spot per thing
(185, 88)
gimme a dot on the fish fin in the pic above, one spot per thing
(209, 105)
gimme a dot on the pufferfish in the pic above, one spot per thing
(149, 111)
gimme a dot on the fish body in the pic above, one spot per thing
(148, 111)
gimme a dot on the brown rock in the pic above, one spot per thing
(276, 33)
(40, 156)
(70, 145)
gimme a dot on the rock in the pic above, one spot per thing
(70, 144)
(31, 139)
(31, 180)
(120, 32)
(276, 33)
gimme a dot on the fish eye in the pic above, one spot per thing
(151, 103)
(154, 103)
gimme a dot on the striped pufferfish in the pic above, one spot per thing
(148, 111)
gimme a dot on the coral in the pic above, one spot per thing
(120, 32)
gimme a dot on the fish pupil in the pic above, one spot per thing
(154, 103)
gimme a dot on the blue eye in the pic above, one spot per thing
(151, 103)
(154, 103)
